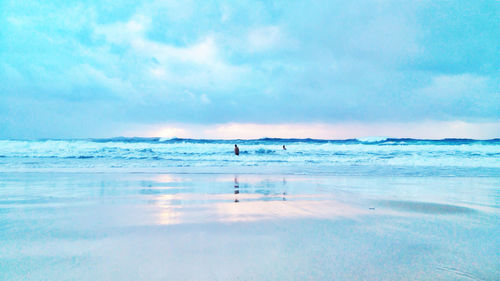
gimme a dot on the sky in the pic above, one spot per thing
(249, 69)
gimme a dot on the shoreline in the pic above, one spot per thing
(354, 171)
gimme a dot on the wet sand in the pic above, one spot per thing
(141, 226)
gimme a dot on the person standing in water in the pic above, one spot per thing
(284, 148)
(236, 150)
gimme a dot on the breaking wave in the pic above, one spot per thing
(300, 153)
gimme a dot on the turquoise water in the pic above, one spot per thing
(157, 209)
(452, 157)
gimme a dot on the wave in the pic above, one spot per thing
(365, 140)
(372, 139)
(300, 153)
(126, 139)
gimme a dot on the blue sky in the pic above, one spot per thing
(108, 68)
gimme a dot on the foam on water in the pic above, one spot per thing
(300, 153)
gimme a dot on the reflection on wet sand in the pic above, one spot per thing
(236, 189)
(169, 213)
(252, 210)
(267, 210)
(150, 227)
(202, 200)
(258, 201)
(426, 207)
(284, 189)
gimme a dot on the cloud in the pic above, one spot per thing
(425, 130)
(85, 75)
(124, 32)
(452, 86)
(198, 66)
(208, 63)
(266, 38)
(465, 95)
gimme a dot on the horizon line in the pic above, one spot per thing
(360, 139)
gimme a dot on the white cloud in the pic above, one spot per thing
(124, 32)
(132, 33)
(265, 38)
(200, 65)
(86, 75)
(192, 97)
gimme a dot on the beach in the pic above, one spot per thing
(66, 225)
(249, 140)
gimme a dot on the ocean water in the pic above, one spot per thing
(183, 209)
(451, 157)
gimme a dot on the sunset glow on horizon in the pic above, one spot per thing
(424, 130)
(421, 69)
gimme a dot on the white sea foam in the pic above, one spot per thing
(372, 139)
(197, 153)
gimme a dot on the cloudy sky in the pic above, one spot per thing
(230, 69)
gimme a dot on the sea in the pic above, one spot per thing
(379, 156)
(189, 209)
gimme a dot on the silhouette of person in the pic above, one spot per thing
(284, 148)
(236, 150)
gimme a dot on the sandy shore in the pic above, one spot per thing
(137, 226)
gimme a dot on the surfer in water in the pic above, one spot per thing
(284, 148)
(236, 150)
